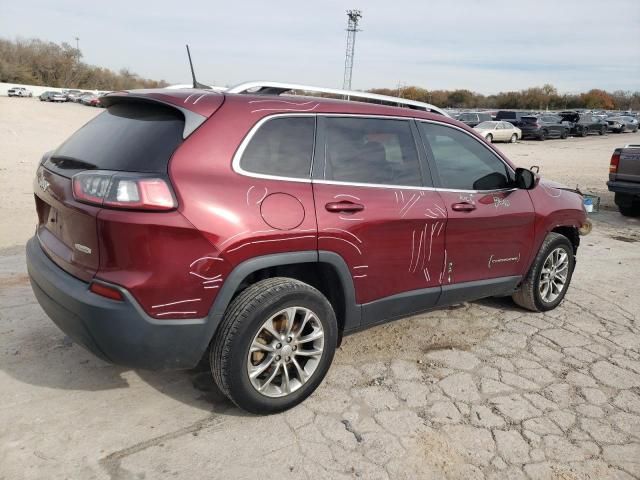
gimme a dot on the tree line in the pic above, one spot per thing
(546, 97)
(37, 62)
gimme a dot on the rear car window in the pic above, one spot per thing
(281, 147)
(462, 162)
(134, 137)
(374, 151)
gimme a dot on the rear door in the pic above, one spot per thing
(490, 225)
(374, 211)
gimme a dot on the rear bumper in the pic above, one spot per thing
(630, 188)
(119, 332)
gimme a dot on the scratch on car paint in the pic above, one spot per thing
(350, 219)
(444, 266)
(410, 204)
(343, 231)
(550, 192)
(413, 246)
(298, 104)
(287, 109)
(441, 210)
(266, 191)
(266, 241)
(346, 195)
(361, 266)
(342, 240)
(234, 236)
(359, 276)
(493, 260)
(426, 274)
(175, 313)
(177, 302)
(500, 202)
(216, 259)
(203, 277)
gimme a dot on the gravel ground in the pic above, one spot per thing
(481, 390)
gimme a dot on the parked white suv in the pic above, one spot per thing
(19, 92)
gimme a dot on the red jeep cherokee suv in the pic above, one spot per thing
(259, 229)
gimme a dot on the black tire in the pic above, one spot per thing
(584, 132)
(528, 295)
(602, 131)
(543, 136)
(242, 321)
(630, 211)
(489, 138)
(514, 138)
(564, 134)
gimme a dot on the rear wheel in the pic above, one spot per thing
(514, 138)
(632, 210)
(564, 134)
(584, 132)
(547, 281)
(603, 130)
(543, 136)
(274, 346)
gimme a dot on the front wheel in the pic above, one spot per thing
(564, 134)
(547, 281)
(489, 138)
(274, 346)
(584, 132)
(543, 136)
(514, 138)
(603, 131)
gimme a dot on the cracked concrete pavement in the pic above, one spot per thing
(481, 390)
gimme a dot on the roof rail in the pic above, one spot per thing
(278, 88)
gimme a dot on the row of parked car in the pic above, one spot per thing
(512, 125)
(77, 96)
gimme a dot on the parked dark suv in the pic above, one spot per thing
(256, 230)
(582, 124)
(543, 127)
(471, 119)
(511, 116)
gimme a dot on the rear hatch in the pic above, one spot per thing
(529, 123)
(132, 135)
(629, 165)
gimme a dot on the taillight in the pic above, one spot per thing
(123, 190)
(615, 161)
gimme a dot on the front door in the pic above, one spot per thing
(490, 227)
(373, 210)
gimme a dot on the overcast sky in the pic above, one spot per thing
(485, 46)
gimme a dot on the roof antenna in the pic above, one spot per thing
(196, 84)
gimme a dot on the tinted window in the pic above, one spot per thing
(282, 147)
(133, 137)
(484, 116)
(463, 163)
(365, 150)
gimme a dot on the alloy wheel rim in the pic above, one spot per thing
(286, 352)
(554, 275)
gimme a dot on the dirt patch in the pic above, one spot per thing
(621, 238)
(18, 280)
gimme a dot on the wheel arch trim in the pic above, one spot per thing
(246, 268)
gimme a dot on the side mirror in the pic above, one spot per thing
(525, 179)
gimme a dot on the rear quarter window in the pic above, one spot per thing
(134, 137)
(281, 147)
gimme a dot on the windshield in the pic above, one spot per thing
(487, 125)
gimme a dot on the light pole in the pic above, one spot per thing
(77, 49)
